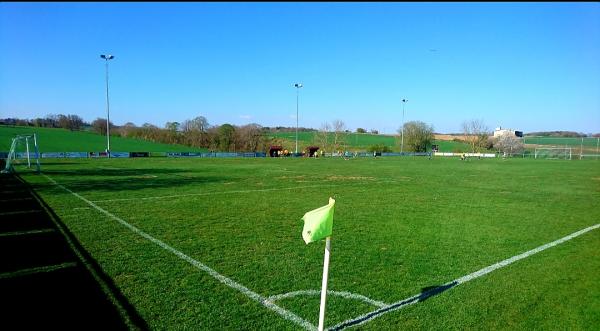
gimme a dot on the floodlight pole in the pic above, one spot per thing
(298, 86)
(402, 141)
(106, 58)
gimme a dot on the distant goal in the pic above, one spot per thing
(563, 153)
(23, 149)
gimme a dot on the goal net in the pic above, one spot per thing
(23, 150)
(553, 153)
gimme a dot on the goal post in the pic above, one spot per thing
(553, 153)
(20, 149)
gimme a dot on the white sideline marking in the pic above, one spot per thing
(37, 270)
(24, 233)
(16, 199)
(223, 279)
(20, 212)
(416, 298)
(342, 294)
(212, 193)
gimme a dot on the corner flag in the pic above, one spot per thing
(318, 223)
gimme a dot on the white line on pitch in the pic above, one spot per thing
(342, 294)
(16, 199)
(220, 192)
(419, 297)
(223, 279)
(19, 212)
(24, 233)
(31, 271)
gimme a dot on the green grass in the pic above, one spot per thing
(562, 141)
(361, 141)
(61, 140)
(400, 225)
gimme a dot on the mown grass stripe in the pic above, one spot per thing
(37, 270)
(223, 279)
(362, 319)
(213, 193)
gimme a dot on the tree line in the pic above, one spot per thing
(196, 132)
(69, 122)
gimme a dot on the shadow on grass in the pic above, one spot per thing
(430, 291)
(82, 180)
(47, 279)
(426, 293)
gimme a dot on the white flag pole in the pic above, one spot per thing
(324, 285)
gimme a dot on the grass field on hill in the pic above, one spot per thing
(362, 141)
(562, 141)
(401, 226)
(62, 140)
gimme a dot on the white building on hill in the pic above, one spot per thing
(500, 132)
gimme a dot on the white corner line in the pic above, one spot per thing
(223, 279)
(342, 294)
(362, 319)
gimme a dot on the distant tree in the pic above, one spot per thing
(38, 122)
(128, 130)
(322, 136)
(361, 130)
(74, 122)
(172, 126)
(509, 144)
(339, 138)
(249, 138)
(226, 137)
(373, 131)
(417, 136)
(379, 148)
(476, 134)
(51, 121)
(199, 123)
(99, 125)
(21, 122)
(63, 121)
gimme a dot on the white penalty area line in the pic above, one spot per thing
(420, 297)
(213, 193)
(223, 279)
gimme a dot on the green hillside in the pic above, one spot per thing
(561, 141)
(360, 141)
(61, 140)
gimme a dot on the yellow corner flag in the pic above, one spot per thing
(318, 223)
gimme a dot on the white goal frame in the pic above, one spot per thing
(566, 152)
(13, 154)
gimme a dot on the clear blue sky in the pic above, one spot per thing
(526, 66)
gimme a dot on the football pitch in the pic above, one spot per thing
(416, 244)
